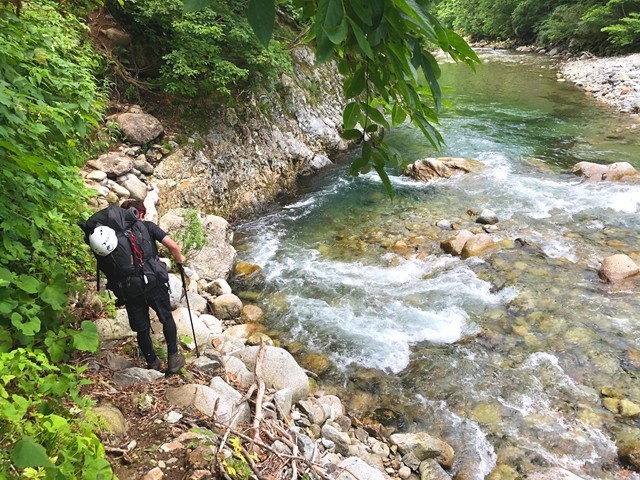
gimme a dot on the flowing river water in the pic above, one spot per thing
(504, 356)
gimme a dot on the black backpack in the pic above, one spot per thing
(133, 267)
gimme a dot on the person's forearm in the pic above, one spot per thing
(174, 248)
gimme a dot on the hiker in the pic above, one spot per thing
(156, 297)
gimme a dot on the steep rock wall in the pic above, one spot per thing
(255, 153)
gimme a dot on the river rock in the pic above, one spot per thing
(114, 164)
(353, 468)
(114, 328)
(136, 187)
(215, 260)
(477, 244)
(130, 376)
(279, 370)
(555, 473)
(252, 313)
(427, 169)
(487, 217)
(431, 470)
(187, 322)
(424, 446)
(113, 418)
(227, 306)
(218, 399)
(454, 245)
(139, 128)
(594, 172)
(618, 267)
(217, 287)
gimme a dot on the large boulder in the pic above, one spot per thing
(139, 128)
(427, 169)
(279, 370)
(217, 257)
(219, 400)
(187, 322)
(594, 172)
(114, 164)
(618, 267)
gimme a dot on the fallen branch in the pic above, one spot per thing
(259, 395)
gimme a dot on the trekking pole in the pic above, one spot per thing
(184, 287)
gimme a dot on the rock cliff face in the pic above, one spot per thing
(255, 152)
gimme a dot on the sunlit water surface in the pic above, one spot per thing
(503, 356)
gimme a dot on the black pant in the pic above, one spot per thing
(140, 321)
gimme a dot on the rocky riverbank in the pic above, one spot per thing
(614, 80)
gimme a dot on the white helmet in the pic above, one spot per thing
(103, 240)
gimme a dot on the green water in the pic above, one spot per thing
(503, 356)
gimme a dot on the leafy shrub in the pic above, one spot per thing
(41, 436)
(49, 103)
(209, 52)
(192, 237)
(625, 33)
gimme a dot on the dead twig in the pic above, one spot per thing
(259, 395)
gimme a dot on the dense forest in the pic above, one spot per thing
(55, 87)
(602, 27)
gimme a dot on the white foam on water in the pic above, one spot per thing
(371, 314)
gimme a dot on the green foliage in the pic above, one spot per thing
(42, 437)
(206, 52)
(237, 465)
(49, 103)
(192, 237)
(625, 33)
(601, 26)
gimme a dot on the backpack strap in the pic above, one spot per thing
(97, 276)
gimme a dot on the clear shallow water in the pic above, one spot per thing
(503, 356)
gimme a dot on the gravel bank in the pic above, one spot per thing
(612, 80)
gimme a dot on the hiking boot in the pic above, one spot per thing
(154, 364)
(176, 362)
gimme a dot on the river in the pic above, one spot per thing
(504, 356)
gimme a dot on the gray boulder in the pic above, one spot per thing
(139, 128)
(218, 400)
(279, 370)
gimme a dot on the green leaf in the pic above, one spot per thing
(338, 33)
(29, 327)
(352, 134)
(190, 6)
(351, 115)
(357, 165)
(398, 115)
(361, 39)
(363, 10)
(261, 15)
(5, 277)
(375, 115)
(324, 47)
(28, 453)
(6, 342)
(334, 14)
(55, 296)
(355, 85)
(28, 283)
(87, 338)
(56, 346)
(385, 180)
